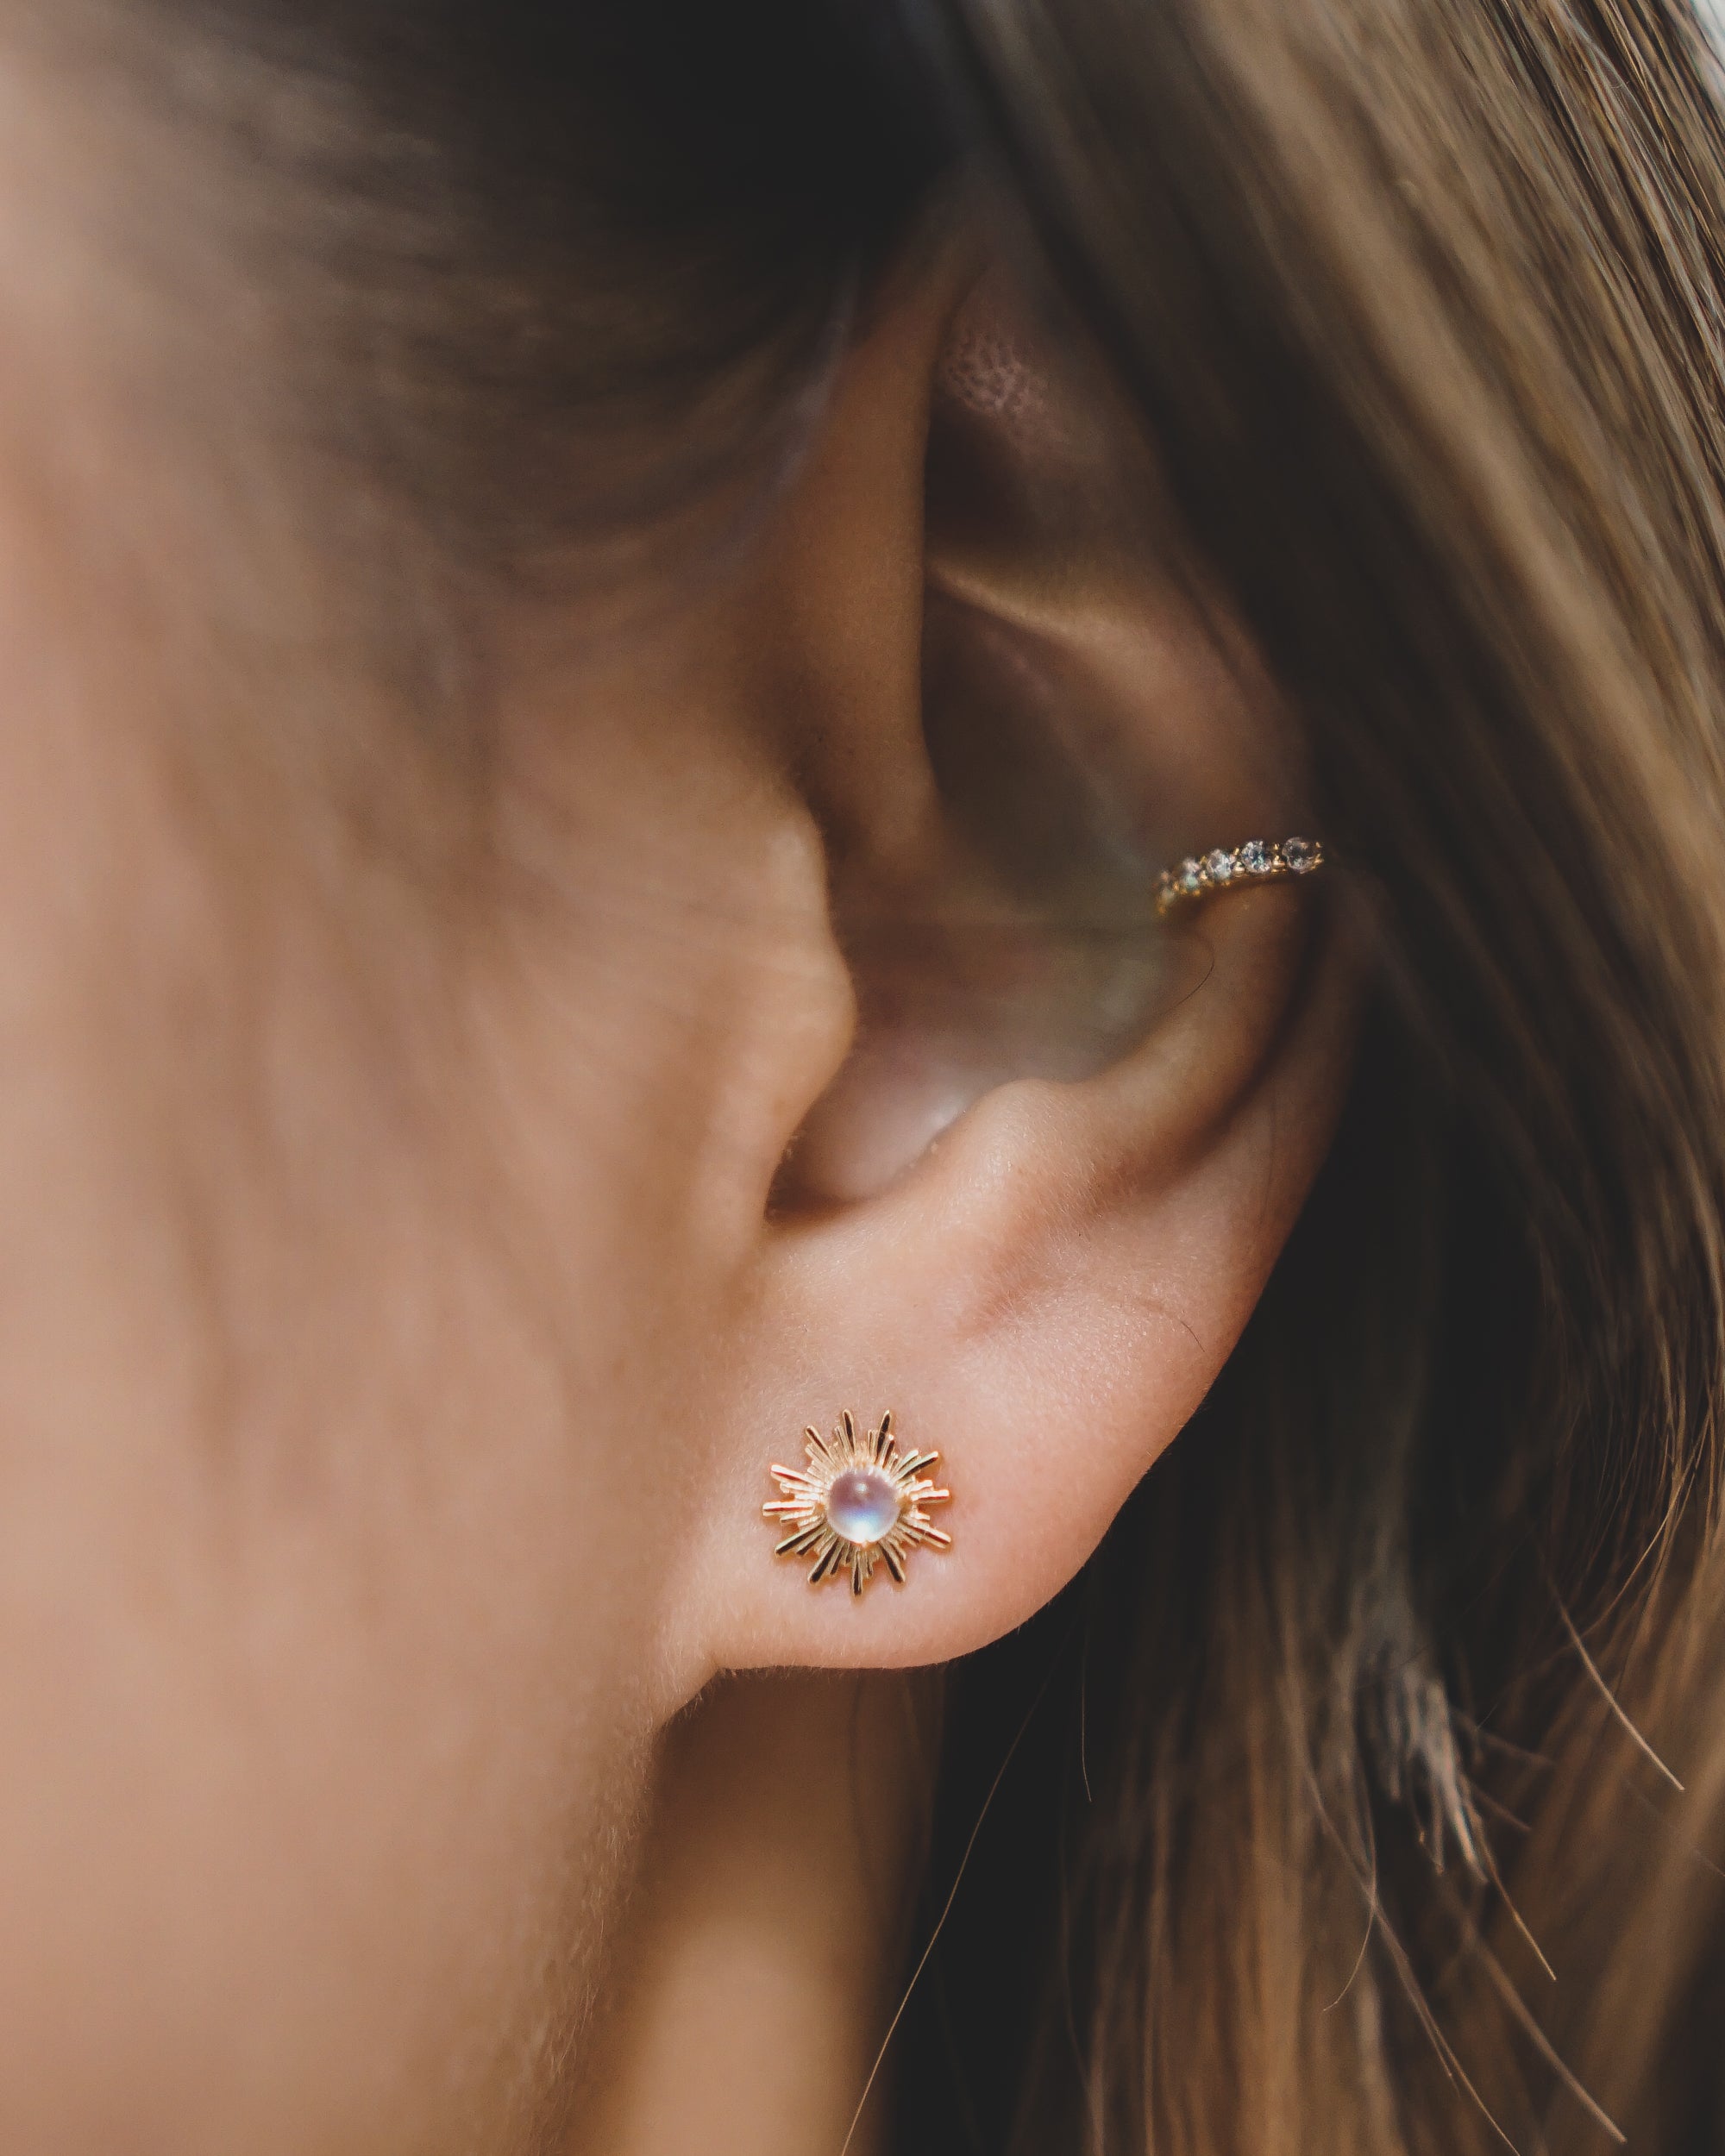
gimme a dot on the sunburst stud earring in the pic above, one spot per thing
(859, 1499)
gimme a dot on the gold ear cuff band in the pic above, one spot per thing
(1200, 876)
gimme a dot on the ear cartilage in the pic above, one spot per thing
(1200, 876)
(860, 1500)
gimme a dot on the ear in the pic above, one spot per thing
(1035, 1193)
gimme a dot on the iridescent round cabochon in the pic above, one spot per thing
(861, 1505)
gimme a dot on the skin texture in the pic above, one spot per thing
(411, 1262)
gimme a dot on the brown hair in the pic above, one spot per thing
(1423, 303)
(1386, 1678)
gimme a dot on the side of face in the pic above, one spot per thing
(435, 1185)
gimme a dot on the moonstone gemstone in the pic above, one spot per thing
(861, 1505)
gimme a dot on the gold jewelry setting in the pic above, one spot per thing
(859, 1499)
(1200, 876)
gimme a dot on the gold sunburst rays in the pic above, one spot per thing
(860, 1499)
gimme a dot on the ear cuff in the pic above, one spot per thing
(859, 1500)
(1200, 876)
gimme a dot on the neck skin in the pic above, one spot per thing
(764, 1955)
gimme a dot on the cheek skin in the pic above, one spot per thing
(370, 1228)
(341, 1422)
